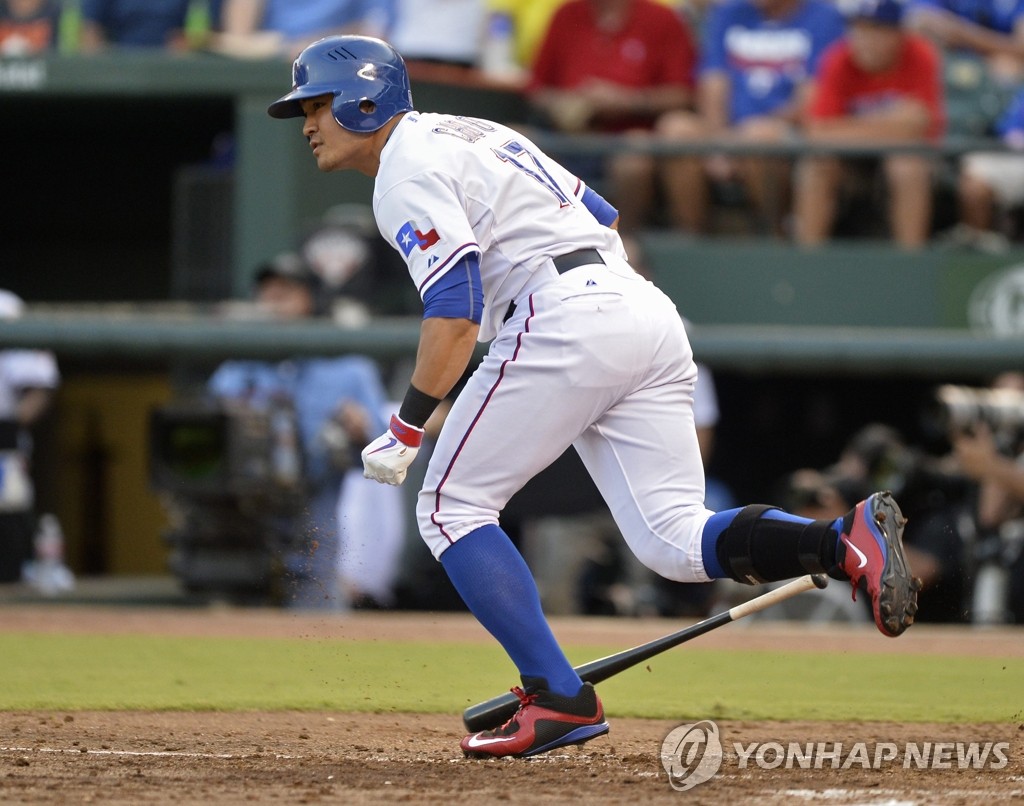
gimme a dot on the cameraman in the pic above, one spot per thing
(336, 403)
(994, 460)
(933, 498)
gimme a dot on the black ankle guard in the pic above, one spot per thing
(753, 549)
(733, 549)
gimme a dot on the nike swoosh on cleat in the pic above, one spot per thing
(857, 551)
(476, 741)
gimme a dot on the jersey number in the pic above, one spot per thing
(515, 154)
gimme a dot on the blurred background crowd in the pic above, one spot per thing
(799, 121)
(753, 77)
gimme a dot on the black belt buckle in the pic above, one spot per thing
(573, 260)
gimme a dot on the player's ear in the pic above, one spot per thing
(367, 107)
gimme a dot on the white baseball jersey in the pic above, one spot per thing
(595, 357)
(448, 186)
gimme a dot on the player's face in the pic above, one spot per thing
(334, 147)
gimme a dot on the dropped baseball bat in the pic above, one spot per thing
(497, 710)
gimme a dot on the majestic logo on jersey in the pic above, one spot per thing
(411, 236)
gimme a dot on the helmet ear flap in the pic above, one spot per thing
(350, 113)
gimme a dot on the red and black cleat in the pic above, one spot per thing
(544, 721)
(872, 533)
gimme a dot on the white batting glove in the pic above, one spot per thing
(388, 457)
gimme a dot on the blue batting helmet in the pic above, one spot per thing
(353, 69)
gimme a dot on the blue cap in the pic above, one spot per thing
(885, 12)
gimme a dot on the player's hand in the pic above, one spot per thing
(388, 457)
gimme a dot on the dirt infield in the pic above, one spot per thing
(262, 758)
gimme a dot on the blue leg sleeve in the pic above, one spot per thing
(496, 584)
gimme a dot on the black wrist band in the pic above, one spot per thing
(417, 407)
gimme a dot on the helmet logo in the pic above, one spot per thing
(368, 71)
(340, 54)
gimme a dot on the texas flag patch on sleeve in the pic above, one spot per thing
(412, 235)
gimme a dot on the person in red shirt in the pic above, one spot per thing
(881, 85)
(615, 66)
(28, 27)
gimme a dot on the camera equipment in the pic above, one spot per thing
(232, 483)
(217, 449)
(964, 407)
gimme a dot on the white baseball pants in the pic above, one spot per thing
(597, 358)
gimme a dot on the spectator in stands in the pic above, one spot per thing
(337, 404)
(519, 26)
(528, 21)
(28, 380)
(879, 85)
(416, 23)
(989, 29)
(758, 59)
(362, 275)
(134, 24)
(28, 26)
(991, 185)
(615, 66)
(267, 28)
(982, 45)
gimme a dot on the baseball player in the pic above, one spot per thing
(507, 246)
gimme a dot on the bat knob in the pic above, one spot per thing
(820, 581)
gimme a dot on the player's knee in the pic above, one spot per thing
(442, 520)
(674, 552)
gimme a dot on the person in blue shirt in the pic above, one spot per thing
(989, 30)
(758, 59)
(133, 24)
(266, 28)
(337, 402)
(991, 185)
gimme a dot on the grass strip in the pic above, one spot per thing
(127, 672)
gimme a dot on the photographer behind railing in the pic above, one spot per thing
(257, 469)
(933, 495)
(986, 431)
